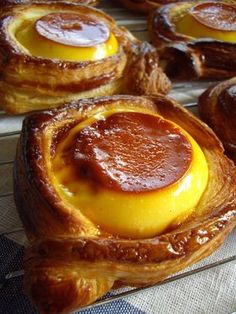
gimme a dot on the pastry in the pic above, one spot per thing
(55, 53)
(145, 5)
(118, 190)
(217, 107)
(196, 40)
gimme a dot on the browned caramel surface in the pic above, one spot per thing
(133, 152)
(215, 15)
(72, 29)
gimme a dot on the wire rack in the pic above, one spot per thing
(10, 225)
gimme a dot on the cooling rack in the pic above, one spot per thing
(10, 225)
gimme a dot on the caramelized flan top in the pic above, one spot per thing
(66, 35)
(215, 15)
(72, 29)
(134, 174)
(133, 152)
(215, 20)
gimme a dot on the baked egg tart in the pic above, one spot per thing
(196, 40)
(217, 107)
(57, 52)
(118, 190)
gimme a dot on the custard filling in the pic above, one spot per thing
(133, 174)
(66, 36)
(209, 20)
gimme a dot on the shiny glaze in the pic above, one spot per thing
(77, 30)
(166, 247)
(110, 69)
(131, 152)
(219, 16)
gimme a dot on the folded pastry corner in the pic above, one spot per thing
(53, 53)
(196, 40)
(142, 75)
(118, 190)
(217, 107)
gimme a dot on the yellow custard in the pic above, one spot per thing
(40, 46)
(209, 20)
(130, 214)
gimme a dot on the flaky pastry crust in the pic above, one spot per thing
(217, 107)
(185, 57)
(70, 256)
(31, 83)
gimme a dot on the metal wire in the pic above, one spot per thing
(6, 134)
(6, 194)
(169, 280)
(133, 292)
(8, 232)
(7, 162)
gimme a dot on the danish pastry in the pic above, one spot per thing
(55, 53)
(217, 106)
(119, 190)
(196, 40)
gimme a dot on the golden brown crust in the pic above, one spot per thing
(217, 106)
(32, 83)
(142, 76)
(185, 57)
(94, 258)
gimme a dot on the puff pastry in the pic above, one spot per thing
(217, 107)
(73, 257)
(196, 40)
(39, 67)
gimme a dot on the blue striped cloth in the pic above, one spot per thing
(210, 292)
